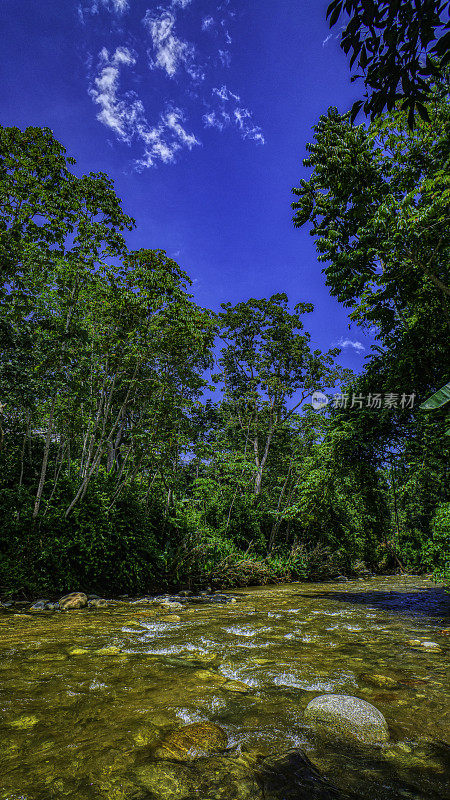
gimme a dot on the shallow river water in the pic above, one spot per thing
(86, 696)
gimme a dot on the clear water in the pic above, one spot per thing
(85, 696)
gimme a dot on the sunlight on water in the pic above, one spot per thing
(85, 697)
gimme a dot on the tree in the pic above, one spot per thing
(378, 202)
(268, 369)
(56, 230)
(398, 45)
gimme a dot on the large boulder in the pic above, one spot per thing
(192, 741)
(347, 717)
(73, 600)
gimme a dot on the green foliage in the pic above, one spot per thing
(397, 46)
(437, 552)
(116, 474)
(438, 400)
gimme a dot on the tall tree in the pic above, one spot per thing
(268, 369)
(378, 203)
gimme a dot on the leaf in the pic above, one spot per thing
(437, 400)
(334, 9)
(423, 113)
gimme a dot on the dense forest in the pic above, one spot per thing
(147, 442)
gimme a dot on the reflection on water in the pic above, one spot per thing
(85, 697)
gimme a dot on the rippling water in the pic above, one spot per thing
(86, 695)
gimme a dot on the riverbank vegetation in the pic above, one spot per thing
(148, 443)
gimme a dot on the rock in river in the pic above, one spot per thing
(73, 600)
(292, 776)
(97, 602)
(348, 717)
(192, 741)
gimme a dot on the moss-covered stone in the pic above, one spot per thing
(166, 781)
(192, 741)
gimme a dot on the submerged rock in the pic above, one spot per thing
(165, 780)
(97, 602)
(73, 600)
(293, 777)
(26, 721)
(192, 741)
(108, 650)
(214, 778)
(167, 605)
(380, 681)
(348, 717)
(237, 686)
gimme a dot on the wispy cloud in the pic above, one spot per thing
(165, 140)
(229, 112)
(121, 115)
(225, 94)
(117, 6)
(125, 116)
(225, 57)
(353, 343)
(169, 51)
(193, 92)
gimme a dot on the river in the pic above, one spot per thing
(88, 695)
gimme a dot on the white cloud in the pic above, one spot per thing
(217, 120)
(164, 141)
(125, 114)
(225, 57)
(169, 51)
(225, 94)
(117, 6)
(162, 133)
(243, 119)
(223, 116)
(358, 346)
(119, 114)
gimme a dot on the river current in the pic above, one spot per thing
(87, 695)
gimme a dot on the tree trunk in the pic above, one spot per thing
(48, 439)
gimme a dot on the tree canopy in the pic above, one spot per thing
(397, 45)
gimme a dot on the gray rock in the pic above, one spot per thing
(347, 717)
(39, 605)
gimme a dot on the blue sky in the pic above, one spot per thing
(200, 112)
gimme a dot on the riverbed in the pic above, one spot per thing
(87, 696)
